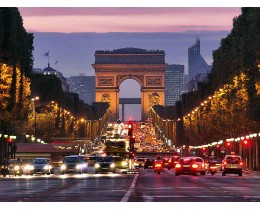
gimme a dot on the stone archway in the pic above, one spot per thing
(114, 67)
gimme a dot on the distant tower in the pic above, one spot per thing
(174, 83)
(198, 67)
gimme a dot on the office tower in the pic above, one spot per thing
(198, 67)
(84, 86)
(174, 83)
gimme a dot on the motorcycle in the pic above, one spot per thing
(158, 167)
(212, 168)
(4, 170)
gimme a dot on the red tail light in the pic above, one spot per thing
(225, 163)
(241, 163)
(195, 166)
(170, 161)
(178, 165)
(158, 165)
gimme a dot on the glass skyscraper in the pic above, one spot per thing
(174, 83)
(84, 86)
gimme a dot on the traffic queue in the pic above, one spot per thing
(80, 164)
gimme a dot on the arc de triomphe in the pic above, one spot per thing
(147, 67)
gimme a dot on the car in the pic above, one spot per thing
(232, 164)
(91, 160)
(139, 162)
(173, 160)
(149, 163)
(190, 165)
(15, 167)
(74, 164)
(105, 164)
(121, 162)
(38, 165)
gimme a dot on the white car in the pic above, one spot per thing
(232, 164)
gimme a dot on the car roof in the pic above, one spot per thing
(75, 156)
(232, 156)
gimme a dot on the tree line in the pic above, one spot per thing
(18, 85)
(235, 71)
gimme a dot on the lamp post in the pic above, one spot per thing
(34, 111)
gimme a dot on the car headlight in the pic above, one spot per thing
(84, 165)
(47, 167)
(63, 167)
(97, 165)
(28, 167)
(112, 165)
(124, 163)
(16, 168)
(78, 166)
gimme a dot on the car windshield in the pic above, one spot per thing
(233, 160)
(71, 159)
(12, 161)
(105, 159)
(40, 161)
(198, 160)
(118, 158)
(186, 161)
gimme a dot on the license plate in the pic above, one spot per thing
(104, 168)
(233, 166)
(186, 166)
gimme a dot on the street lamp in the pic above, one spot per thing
(34, 110)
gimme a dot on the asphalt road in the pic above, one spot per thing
(143, 187)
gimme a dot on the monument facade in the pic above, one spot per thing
(147, 67)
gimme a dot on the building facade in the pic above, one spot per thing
(174, 83)
(84, 86)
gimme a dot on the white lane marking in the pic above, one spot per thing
(130, 190)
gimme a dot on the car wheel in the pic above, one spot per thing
(240, 174)
(203, 173)
(177, 174)
(223, 173)
(48, 173)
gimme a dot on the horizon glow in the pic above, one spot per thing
(103, 20)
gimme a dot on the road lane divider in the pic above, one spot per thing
(130, 190)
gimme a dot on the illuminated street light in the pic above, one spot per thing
(34, 110)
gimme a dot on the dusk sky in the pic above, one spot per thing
(102, 20)
(73, 34)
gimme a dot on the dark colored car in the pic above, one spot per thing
(38, 165)
(149, 163)
(173, 160)
(190, 165)
(74, 164)
(105, 164)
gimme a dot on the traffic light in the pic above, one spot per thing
(132, 142)
(228, 144)
(131, 155)
(130, 130)
(245, 143)
(9, 141)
